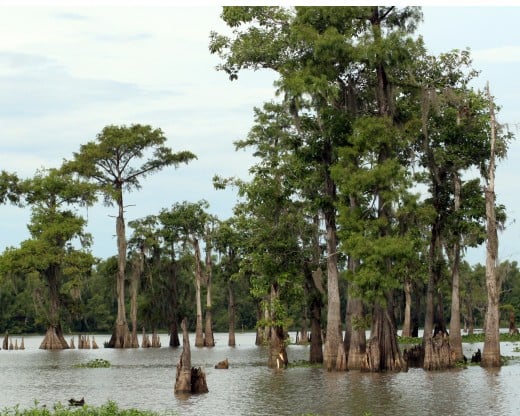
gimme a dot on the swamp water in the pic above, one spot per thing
(144, 379)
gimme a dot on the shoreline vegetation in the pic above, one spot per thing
(108, 409)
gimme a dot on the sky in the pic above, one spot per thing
(68, 69)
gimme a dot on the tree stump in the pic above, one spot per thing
(198, 381)
(222, 365)
(188, 379)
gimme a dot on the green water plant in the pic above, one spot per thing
(96, 363)
(108, 409)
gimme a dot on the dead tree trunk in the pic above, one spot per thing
(188, 379)
(183, 376)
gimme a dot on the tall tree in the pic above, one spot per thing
(323, 56)
(191, 220)
(491, 352)
(112, 162)
(50, 254)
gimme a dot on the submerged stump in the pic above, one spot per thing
(188, 379)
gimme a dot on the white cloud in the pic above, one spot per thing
(500, 55)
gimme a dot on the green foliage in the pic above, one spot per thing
(108, 409)
(95, 363)
(409, 340)
(471, 339)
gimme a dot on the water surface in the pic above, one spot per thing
(145, 378)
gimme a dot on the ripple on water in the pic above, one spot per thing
(144, 378)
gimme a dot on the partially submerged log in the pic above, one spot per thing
(188, 379)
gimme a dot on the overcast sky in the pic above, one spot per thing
(66, 71)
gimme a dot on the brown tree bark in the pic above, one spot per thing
(183, 375)
(513, 330)
(333, 337)
(209, 340)
(277, 353)
(174, 332)
(383, 353)
(120, 337)
(199, 335)
(54, 338)
(455, 334)
(407, 324)
(232, 315)
(357, 346)
(491, 351)
(137, 270)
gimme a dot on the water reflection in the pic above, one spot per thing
(144, 378)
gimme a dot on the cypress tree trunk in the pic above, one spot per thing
(277, 353)
(455, 335)
(316, 349)
(120, 337)
(199, 336)
(491, 352)
(209, 341)
(357, 347)
(333, 337)
(174, 332)
(407, 325)
(137, 269)
(383, 353)
(314, 284)
(231, 312)
(54, 338)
